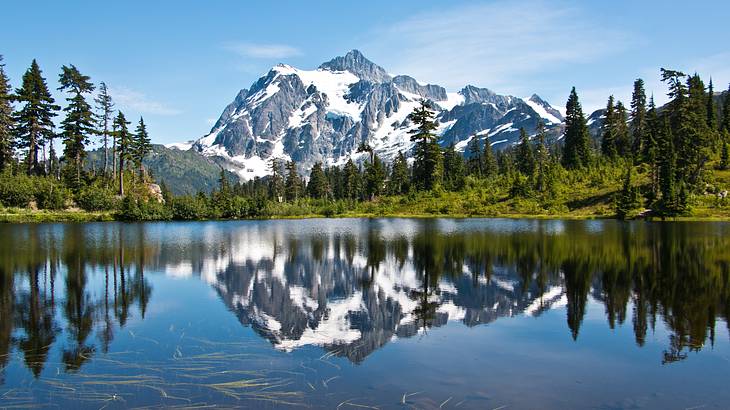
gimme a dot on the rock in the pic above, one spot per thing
(155, 193)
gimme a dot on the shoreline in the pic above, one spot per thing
(16, 215)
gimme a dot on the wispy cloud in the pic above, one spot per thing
(127, 98)
(498, 44)
(262, 51)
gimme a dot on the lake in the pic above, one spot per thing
(366, 313)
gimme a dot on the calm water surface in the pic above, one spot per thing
(386, 313)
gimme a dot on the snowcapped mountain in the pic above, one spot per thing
(326, 113)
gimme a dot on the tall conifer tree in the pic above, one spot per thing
(428, 164)
(79, 122)
(35, 117)
(124, 146)
(576, 150)
(608, 130)
(638, 118)
(105, 107)
(141, 145)
(7, 122)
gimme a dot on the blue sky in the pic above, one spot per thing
(178, 63)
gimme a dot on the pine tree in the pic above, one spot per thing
(141, 145)
(351, 181)
(276, 181)
(638, 118)
(35, 117)
(317, 187)
(724, 157)
(7, 122)
(105, 107)
(428, 164)
(489, 162)
(725, 123)
(608, 137)
(293, 182)
(474, 161)
(621, 131)
(628, 198)
(374, 177)
(576, 152)
(124, 146)
(399, 179)
(542, 157)
(711, 112)
(667, 172)
(79, 122)
(453, 169)
(525, 155)
(650, 147)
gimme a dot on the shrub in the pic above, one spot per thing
(16, 190)
(50, 194)
(95, 198)
(189, 208)
(133, 209)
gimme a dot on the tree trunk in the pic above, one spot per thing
(121, 177)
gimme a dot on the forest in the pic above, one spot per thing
(648, 161)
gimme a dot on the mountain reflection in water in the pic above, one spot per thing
(351, 286)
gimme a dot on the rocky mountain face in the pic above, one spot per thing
(326, 113)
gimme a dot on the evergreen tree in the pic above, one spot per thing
(489, 162)
(79, 122)
(474, 161)
(724, 157)
(276, 180)
(651, 148)
(542, 157)
(124, 146)
(399, 179)
(428, 164)
(293, 182)
(725, 123)
(351, 189)
(576, 152)
(711, 111)
(374, 177)
(608, 136)
(105, 107)
(621, 131)
(141, 145)
(7, 122)
(453, 169)
(667, 172)
(525, 155)
(628, 198)
(35, 117)
(317, 187)
(638, 118)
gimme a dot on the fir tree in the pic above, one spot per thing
(628, 198)
(293, 182)
(124, 146)
(105, 107)
(576, 152)
(374, 177)
(725, 123)
(7, 122)
(525, 155)
(351, 188)
(542, 157)
(724, 157)
(621, 131)
(608, 137)
(638, 118)
(651, 148)
(453, 169)
(711, 111)
(399, 178)
(667, 172)
(141, 145)
(317, 187)
(35, 117)
(79, 122)
(428, 164)
(276, 180)
(489, 162)
(474, 161)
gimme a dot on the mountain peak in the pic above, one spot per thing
(355, 62)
